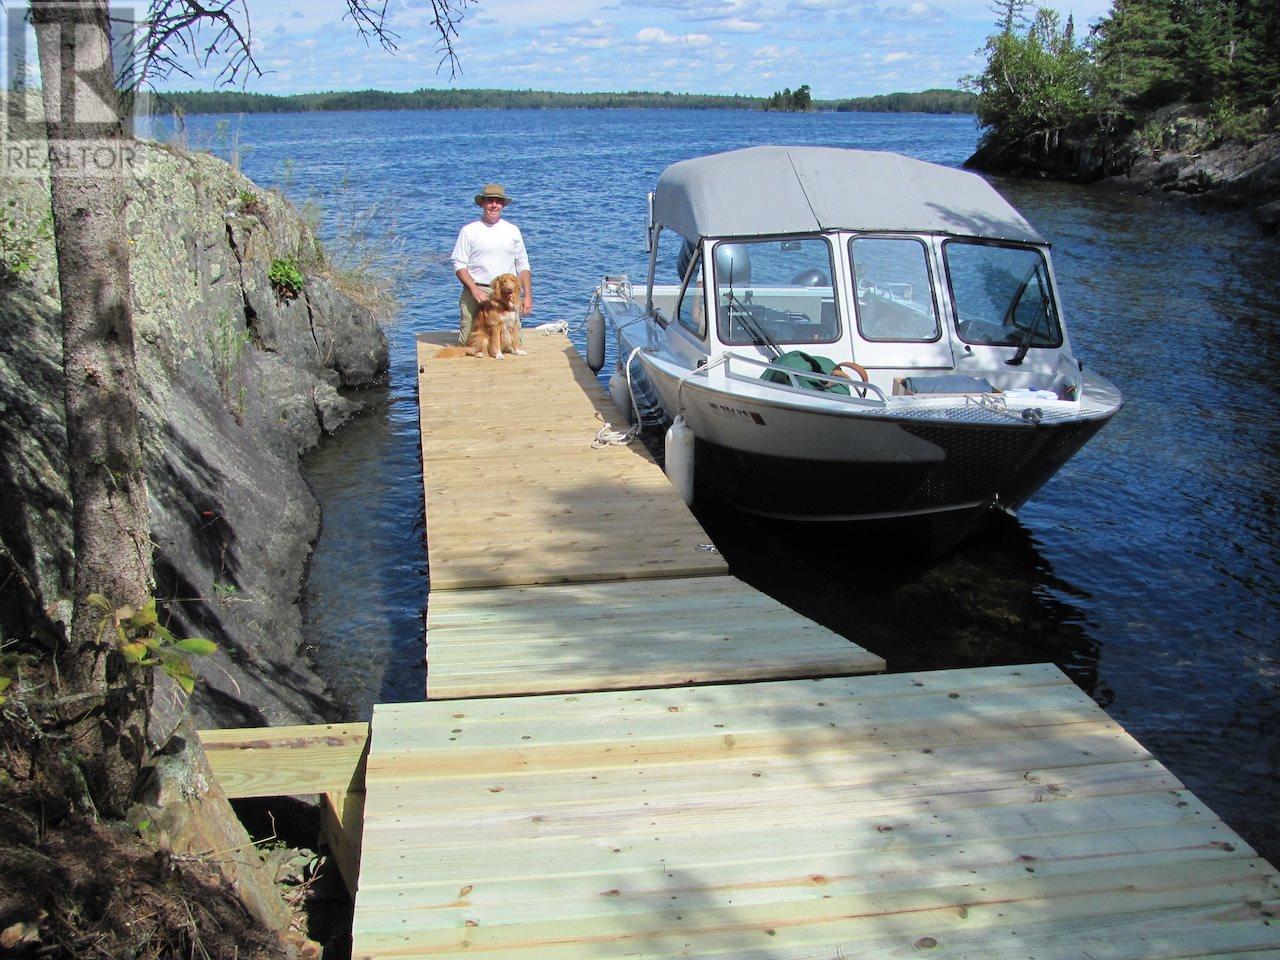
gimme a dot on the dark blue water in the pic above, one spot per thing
(1147, 568)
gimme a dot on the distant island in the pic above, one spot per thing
(235, 101)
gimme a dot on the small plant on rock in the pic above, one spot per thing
(251, 204)
(143, 640)
(286, 279)
(19, 242)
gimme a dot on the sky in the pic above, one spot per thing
(840, 48)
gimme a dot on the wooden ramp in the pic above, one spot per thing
(978, 814)
(557, 567)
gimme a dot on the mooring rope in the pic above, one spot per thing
(607, 436)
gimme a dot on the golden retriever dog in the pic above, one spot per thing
(496, 329)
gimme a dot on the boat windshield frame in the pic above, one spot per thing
(1042, 274)
(820, 335)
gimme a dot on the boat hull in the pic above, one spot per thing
(975, 469)
(790, 462)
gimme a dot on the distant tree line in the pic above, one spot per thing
(225, 101)
(927, 101)
(1217, 59)
(790, 101)
(234, 101)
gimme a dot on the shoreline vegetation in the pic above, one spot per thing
(1158, 94)
(235, 101)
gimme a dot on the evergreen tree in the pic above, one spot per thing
(1011, 15)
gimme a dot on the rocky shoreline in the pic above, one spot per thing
(239, 376)
(1173, 156)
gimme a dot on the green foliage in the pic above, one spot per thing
(20, 241)
(251, 203)
(286, 278)
(1034, 85)
(230, 101)
(1228, 122)
(1143, 57)
(790, 101)
(926, 101)
(1011, 15)
(227, 342)
(5, 684)
(144, 641)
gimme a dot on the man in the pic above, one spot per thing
(487, 248)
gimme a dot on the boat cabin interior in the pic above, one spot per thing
(922, 314)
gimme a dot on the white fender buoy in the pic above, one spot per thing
(595, 340)
(679, 457)
(621, 394)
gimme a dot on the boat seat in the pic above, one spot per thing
(941, 384)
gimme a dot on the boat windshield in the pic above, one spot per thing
(1001, 294)
(895, 297)
(777, 290)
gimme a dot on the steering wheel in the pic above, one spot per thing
(857, 368)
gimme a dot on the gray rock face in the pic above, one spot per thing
(1169, 155)
(237, 381)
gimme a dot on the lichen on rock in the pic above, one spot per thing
(235, 384)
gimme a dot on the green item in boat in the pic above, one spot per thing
(807, 362)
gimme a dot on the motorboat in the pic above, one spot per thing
(851, 335)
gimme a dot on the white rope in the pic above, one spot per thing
(555, 326)
(606, 436)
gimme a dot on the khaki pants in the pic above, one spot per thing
(467, 307)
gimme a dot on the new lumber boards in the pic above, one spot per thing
(995, 813)
(623, 635)
(557, 567)
(515, 493)
(287, 761)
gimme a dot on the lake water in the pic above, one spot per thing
(1147, 568)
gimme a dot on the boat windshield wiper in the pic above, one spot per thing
(1024, 344)
(761, 338)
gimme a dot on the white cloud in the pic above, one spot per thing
(894, 57)
(650, 36)
(916, 12)
(817, 6)
(740, 26)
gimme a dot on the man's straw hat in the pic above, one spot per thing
(492, 190)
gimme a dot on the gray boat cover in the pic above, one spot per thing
(777, 190)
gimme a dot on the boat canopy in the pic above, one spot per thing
(780, 190)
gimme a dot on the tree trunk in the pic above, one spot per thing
(109, 514)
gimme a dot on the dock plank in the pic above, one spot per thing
(575, 638)
(973, 813)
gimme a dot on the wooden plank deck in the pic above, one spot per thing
(994, 813)
(537, 540)
(623, 635)
(515, 493)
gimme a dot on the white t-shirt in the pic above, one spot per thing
(487, 250)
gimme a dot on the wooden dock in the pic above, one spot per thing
(537, 540)
(994, 813)
(592, 778)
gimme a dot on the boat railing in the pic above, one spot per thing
(858, 389)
